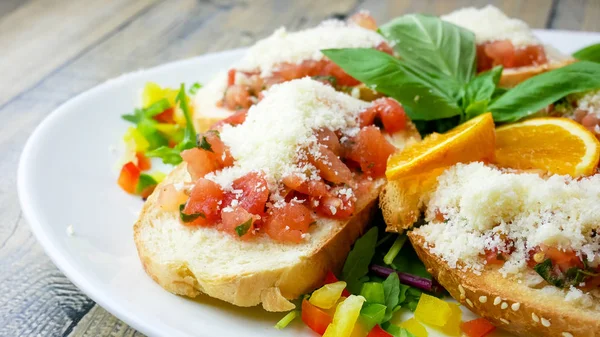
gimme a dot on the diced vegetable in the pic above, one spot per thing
(408, 279)
(135, 141)
(204, 199)
(397, 331)
(170, 198)
(372, 314)
(315, 318)
(452, 327)
(477, 328)
(289, 222)
(129, 176)
(331, 278)
(286, 320)
(145, 185)
(373, 292)
(413, 326)
(433, 311)
(395, 249)
(377, 331)
(238, 222)
(345, 317)
(328, 295)
(143, 163)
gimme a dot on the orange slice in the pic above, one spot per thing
(556, 145)
(473, 140)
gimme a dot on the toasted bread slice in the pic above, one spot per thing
(192, 260)
(513, 76)
(511, 305)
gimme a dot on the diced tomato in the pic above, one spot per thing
(236, 119)
(391, 113)
(288, 222)
(477, 328)
(565, 260)
(377, 331)
(336, 205)
(317, 189)
(237, 97)
(254, 193)
(364, 20)
(315, 318)
(169, 198)
(329, 139)
(143, 162)
(384, 47)
(371, 150)
(530, 55)
(199, 162)
(205, 198)
(504, 53)
(493, 256)
(332, 69)
(368, 116)
(231, 222)
(220, 150)
(129, 176)
(231, 77)
(291, 71)
(331, 278)
(165, 116)
(330, 166)
(499, 53)
(592, 283)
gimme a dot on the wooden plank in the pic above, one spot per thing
(577, 15)
(61, 30)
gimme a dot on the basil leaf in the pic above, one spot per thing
(203, 143)
(391, 291)
(439, 125)
(427, 96)
(189, 217)
(589, 53)
(243, 228)
(544, 269)
(358, 260)
(479, 92)
(536, 93)
(434, 45)
(194, 88)
(144, 182)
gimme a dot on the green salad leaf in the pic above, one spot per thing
(391, 290)
(357, 263)
(194, 88)
(144, 182)
(538, 92)
(146, 125)
(434, 45)
(397, 331)
(589, 53)
(479, 92)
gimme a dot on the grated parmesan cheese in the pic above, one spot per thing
(280, 125)
(482, 203)
(294, 47)
(590, 102)
(491, 24)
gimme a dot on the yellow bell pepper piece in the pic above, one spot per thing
(414, 327)
(345, 317)
(151, 94)
(359, 330)
(328, 295)
(452, 327)
(158, 176)
(433, 311)
(135, 141)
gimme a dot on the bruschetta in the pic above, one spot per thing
(260, 211)
(521, 250)
(508, 42)
(285, 56)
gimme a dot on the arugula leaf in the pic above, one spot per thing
(391, 290)
(408, 262)
(397, 331)
(149, 112)
(479, 92)
(358, 260)
(536, 93)
(168, 155)
(433, 45)
(243, 228)
(427, 95)
(589, 53)
(372, 314)
(194, 88)
(189, 217)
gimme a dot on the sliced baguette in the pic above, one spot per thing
(190, 260)
(511, 305)
(512, 77)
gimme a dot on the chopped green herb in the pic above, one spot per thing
(242, 229)
(395, 249)
(145, 181)
(194, 88)
(189, 217)
(544, 269)
(203, 143)
(286, 320)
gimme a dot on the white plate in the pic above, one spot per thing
(66, 178)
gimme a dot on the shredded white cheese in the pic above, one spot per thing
(294, 47)
(481, 203)
(491, 24)
(590, 102)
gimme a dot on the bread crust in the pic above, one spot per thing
(512, 77)
(520, 309)
(273, 287)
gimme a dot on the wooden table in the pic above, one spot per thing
(54, 49)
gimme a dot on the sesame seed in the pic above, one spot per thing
(566, 334)
(515, 306)
(497, 300)
(539, 257)
(545, 322)
(469, 303)
(504, 321)
(462, 291)
(483, 299)
(504, 305)
(535, 317)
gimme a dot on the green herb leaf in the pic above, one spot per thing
(395, 249)
(427, 96)
(168, 155)
(397, 331)
(144, 182)
(408, 262)
(479, 92)
(194, 88)
(544, 269)
(373, 292)
(538, 92)
(433, 45)
(391, 289)
(372, 314)
(243, 228)
(287, 319)
(589, 53)
(189, 217)
(203, 143)
(358, 260)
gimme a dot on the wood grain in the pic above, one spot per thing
(55, 49)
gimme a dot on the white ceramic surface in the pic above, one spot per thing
(66, 178)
